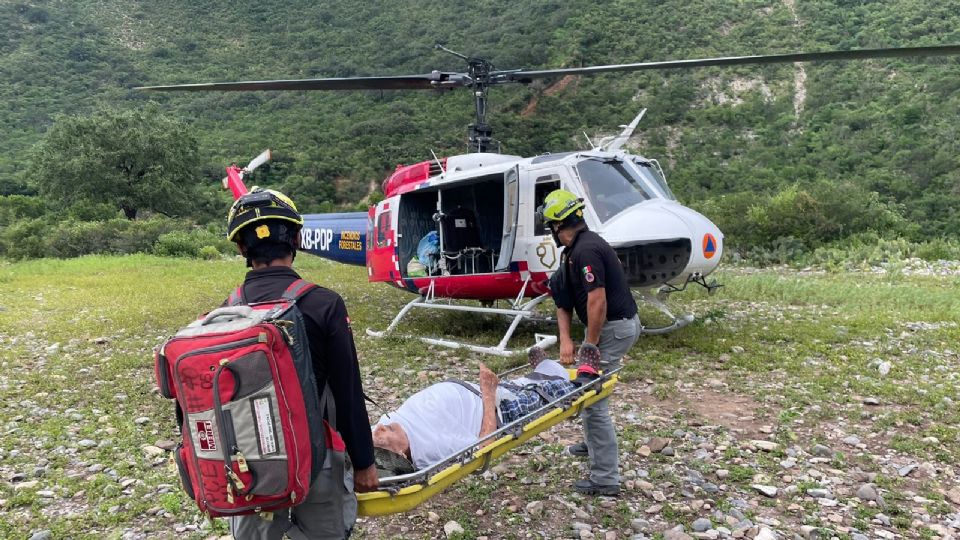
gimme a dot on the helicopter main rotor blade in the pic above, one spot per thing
(430, 81)
(937, 50)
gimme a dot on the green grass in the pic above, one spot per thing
(76, 341)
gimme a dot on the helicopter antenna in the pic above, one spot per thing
(479, 133)
(435, 158)
(587, 137)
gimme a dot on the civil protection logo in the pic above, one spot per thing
(709, 246)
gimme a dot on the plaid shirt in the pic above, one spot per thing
(528, 400)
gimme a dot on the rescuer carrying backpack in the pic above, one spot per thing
(254, 402)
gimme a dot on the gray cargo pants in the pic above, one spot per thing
(328, 512)
(616, 339)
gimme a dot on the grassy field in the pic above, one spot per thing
(863, 364)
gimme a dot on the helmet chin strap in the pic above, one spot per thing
(556, 237)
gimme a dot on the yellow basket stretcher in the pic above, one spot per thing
(406, 492)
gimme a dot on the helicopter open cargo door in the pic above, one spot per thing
(511, 205)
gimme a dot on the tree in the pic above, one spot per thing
(137, 160)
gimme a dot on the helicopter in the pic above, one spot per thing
(477, 212)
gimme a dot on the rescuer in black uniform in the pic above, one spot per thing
(265, 225)
(591, 282)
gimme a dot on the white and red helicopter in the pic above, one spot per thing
(482, 205)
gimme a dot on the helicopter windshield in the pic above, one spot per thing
(654, 174)
(611, 186)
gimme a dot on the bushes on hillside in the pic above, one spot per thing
(46, 237)
(193, 243)
(14, 208)
(800, 218)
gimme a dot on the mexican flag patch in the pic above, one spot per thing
(588, 274)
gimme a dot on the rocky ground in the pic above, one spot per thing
(709, 462)
(800, 405)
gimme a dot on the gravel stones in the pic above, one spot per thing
(765, 533)
(820, 450)
(657, 444)
(954, 496)
(766, 491)
(766, 446)
(701, 525)
(868, 492)
(451, 528)
(907, 469)
(851, 440)
(820, 493)
(675, 534)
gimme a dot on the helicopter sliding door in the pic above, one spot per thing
(511, 206)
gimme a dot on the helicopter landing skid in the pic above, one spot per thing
(518, 310)
(678, 322)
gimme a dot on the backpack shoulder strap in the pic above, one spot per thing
(298, 289)
(236, 297)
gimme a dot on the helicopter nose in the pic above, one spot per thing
(644, 223)
(706, 240)
(666, 222)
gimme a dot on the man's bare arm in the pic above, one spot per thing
(564, 318)
(488, 394)
(596, 314)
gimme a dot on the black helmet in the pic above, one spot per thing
(277, 215)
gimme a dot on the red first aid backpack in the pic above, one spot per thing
(247, 405)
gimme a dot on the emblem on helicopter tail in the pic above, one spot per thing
(709, 246)
(547, 253)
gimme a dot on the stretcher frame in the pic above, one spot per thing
(406, 492)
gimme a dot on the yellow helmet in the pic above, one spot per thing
(261, 205)
(561, 204)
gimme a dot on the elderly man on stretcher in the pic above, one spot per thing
(448, 416)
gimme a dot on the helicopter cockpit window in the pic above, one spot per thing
(611, 186)
(654, 174)
(544, 185)
(383, 225)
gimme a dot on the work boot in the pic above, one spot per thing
(579, 449)
(587, 487)
(536, 355)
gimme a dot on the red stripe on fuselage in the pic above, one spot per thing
(481, 286)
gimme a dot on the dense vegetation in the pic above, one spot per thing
(778, 155)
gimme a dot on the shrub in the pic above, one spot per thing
(14, 208)
(113, 236)
(209, 253)
(44, 237)
(24, 239)
(193, 243)
(802, 218)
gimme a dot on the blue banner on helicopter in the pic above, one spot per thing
(339, 237)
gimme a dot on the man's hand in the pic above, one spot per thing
(366, 480)
(566, 351)
(488, 379)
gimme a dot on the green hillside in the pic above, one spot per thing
(850, 147)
